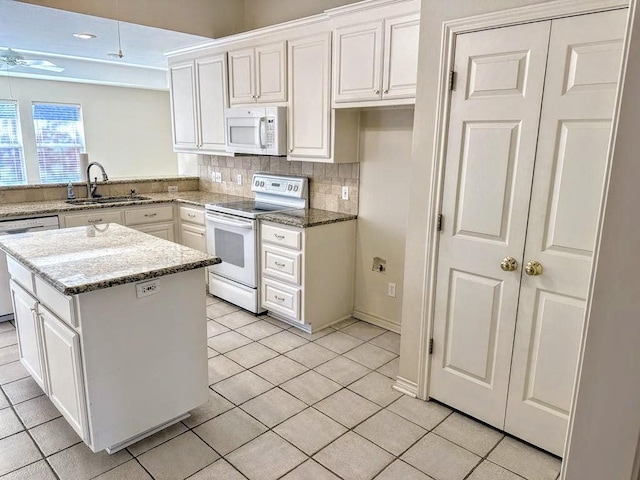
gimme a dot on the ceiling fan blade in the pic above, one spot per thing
(41, 65)
(49, 68)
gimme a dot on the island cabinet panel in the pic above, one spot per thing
(64, 370)
(160, 230)
(29, 333)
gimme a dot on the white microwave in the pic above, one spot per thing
(256, 130)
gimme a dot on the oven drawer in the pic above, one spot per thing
(281, 264)
(281, 298)
(282, 236)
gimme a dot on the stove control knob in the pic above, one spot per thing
(290, 187)
(257, 183)
(295, 189)
(262, 183)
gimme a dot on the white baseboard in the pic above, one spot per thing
(376, 320)
(406, 386)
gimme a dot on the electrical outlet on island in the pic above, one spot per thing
(173, 189)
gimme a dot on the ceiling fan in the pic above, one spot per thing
(11, 59)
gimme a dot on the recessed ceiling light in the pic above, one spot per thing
(84, 36)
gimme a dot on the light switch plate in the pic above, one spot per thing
(391, 290)
(218, 177)
(239, 179)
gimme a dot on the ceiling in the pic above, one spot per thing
(46, 33)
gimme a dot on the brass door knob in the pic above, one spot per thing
(533, 268)
(509, 264)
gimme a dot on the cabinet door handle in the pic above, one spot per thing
(377, 92)
(192, 215)
(279, 237)
(150, 215)
(279, 299)
(94, 220)
(386, 90)
(290, 150)
(279, 264)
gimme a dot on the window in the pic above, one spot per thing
(59, 140)
(11, 156)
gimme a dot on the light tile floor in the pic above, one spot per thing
(283, 405)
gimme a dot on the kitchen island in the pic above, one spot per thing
(112, 326)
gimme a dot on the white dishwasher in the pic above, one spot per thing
(12, 227)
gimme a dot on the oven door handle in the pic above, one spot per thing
(229, 223)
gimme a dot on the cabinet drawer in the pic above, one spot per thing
(281, 264)
(192, 215)
(139, 216)
(20, 274)
(55, 301)
(281, 299)
(102, 216)
(282, 236)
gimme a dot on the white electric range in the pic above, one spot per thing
(233, 235)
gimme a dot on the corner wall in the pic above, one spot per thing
(385, 171)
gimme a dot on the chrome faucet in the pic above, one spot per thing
(91, 189)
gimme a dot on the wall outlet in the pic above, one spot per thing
(218, 177)
(345, 193)
(145, 289)
(391, 290)
(239, 179)
(213, 176)
(173, 189)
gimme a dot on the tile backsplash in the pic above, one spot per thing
(325, 179)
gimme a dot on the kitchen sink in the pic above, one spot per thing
(99, 200)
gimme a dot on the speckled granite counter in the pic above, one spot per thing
(54, 207)
(311, 217)
(82, 259)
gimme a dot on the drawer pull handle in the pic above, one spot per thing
(150, 215)
(94, 220)
(279, 299)
(279, 264)
(192, 215)
(279, 237)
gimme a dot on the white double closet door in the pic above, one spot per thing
(528, 134)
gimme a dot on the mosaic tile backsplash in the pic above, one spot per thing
(325, 180)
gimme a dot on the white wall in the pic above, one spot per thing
(127, 130)
(606, 423)
(385, 150)
(261, 13)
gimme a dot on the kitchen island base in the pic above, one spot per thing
(117, 364)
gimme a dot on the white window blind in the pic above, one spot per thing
(11, 155)
(59, 140)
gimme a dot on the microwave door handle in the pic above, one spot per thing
(261, 131)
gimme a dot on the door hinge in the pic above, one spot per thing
(439, 225)
(430, 346)
(452, 81)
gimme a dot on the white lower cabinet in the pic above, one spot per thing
(29, 333)
(307, 273)
(64, 369)
(116, 366)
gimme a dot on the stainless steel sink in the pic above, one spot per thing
(99, 200)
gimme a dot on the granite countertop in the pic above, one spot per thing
(82, 259)
(310, 217)
(297, 218)
(53, 207)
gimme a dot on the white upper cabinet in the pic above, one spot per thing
(258, 74)
(309, 91)
(183, 105)
(377, 60)
(198, 100)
